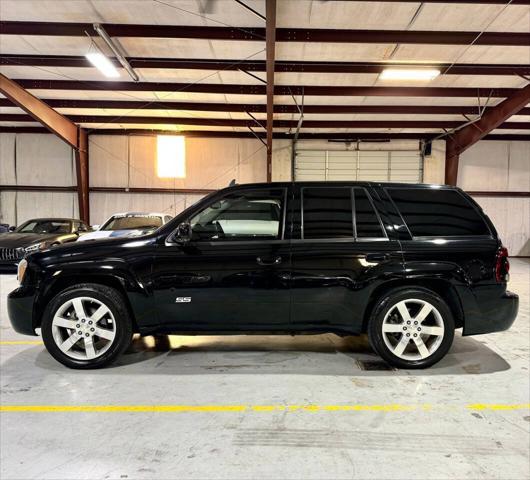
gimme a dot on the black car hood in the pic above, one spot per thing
(15, 240)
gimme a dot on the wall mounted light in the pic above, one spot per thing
(417, 74)
(171, 156)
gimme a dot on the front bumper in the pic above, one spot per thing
(489, 309)
(20, 304)
(9, 267)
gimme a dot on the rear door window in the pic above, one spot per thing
(367, 221)
(434, 212)
(327, 213)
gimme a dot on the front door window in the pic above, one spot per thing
(243, 216)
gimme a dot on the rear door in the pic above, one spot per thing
(342, 249)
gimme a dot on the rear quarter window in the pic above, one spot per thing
(434, 212)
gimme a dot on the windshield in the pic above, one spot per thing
(44, 226)
(137, 222)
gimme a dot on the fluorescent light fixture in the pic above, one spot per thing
(409, 74)
(171, 156)
(103, 64)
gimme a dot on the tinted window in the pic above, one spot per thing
(366, 219)
(433, 212)
(45, 226)
(327, 213)
(248, 215)
(133, 222)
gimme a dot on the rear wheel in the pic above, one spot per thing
(86, 326)
(411, 328)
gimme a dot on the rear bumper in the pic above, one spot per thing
(489, 309)
(20, 310)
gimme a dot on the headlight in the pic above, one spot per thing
(36, 247)
(22, 266)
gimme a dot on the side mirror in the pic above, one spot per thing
(183, 233)
(12, 228)
(95, 227)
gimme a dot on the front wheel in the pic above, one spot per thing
(411, 328)
(86, 326)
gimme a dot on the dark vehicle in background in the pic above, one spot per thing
(407, 264)
(36, 234)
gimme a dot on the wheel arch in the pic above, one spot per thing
(65, 281)
(442, 287)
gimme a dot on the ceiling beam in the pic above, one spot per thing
(461, 140)
(260, 66)
(61, 126)
(140, 105)
(244, 134)
(462, 2)
(305, 35)
(270, 14)
(229, 122)
(38, 111)
(261, 108)
(287, 90)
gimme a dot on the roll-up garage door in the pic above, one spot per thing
(382, 166)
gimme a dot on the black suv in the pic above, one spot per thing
(405, 263)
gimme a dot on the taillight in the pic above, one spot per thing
(502, 265)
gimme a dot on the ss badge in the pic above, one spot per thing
(183, 300)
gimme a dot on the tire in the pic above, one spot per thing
(76, 343)
(395, 336)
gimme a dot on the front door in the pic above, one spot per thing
(234, 273)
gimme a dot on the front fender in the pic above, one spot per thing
(133, 283)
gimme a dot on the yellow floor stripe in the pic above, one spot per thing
(254, 408)
(21, 342)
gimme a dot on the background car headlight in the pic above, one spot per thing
(36, 247)
(22, 266)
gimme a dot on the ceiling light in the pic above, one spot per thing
(171, 156)
(103, 64)
(409, 74)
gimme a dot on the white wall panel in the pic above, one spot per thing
(519, 167)
(485, 167)
(103, 205)
(501, 166)
(45, 204)
(7, 159)
(108, 160)
(7, 207)
(43, 159)
(511, 217)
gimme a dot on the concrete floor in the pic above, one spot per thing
(237, 409)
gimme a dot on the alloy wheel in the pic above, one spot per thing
(413, 329)
(83, 328)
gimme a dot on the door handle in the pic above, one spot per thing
(267, 262)
(377, 257)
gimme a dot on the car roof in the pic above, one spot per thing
(53, 219)
(140, 213)
(336, 183)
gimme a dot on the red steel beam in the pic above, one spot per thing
(260, 66)
(261, 108)
(308, 90)
(244, 134)
(229, 122)
(305, 35)
(58, 124)
(270, 14)
(471, 134)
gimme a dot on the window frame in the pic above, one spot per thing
(353, 238)
(432, 237)
(170, 239)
